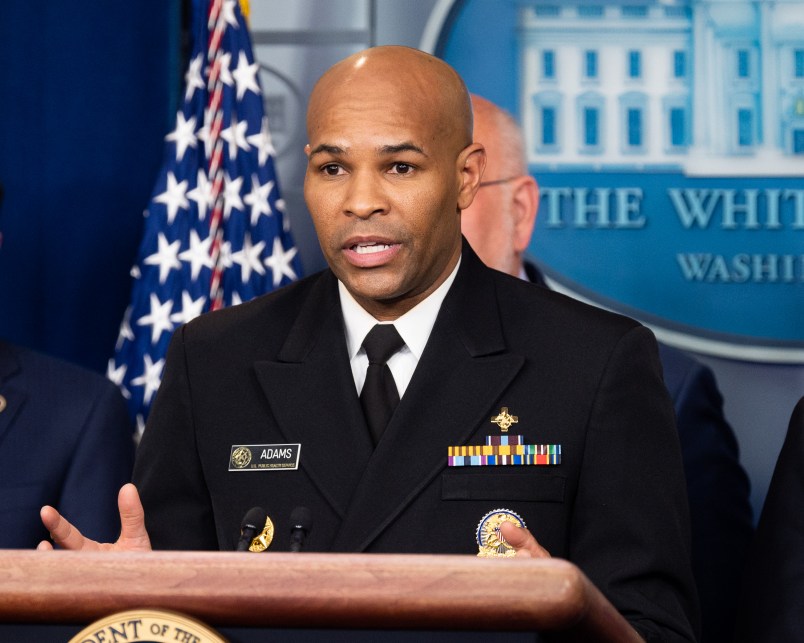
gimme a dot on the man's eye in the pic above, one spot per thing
(331, 169)
(402, 168)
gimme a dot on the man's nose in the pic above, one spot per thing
(366, 195)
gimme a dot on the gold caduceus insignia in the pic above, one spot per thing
(504, 419)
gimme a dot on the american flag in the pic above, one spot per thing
(215, 230)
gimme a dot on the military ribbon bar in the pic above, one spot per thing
(516, 454)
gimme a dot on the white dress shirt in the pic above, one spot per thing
(414, 327)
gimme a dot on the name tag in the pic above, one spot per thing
(264, 457)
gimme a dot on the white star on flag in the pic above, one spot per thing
(116, 375)
(229, 13)
(225, 258)
(158, 319)
(279, 262)
(245, 76)
(231, 195)
(225, 74)
(151, 378)
(126, 334)
(166, 257)
(235, 136)
(183, 135)
(173, 196)
(262, 141)
(202, 194)
(192, 79)
(190, 309)
(249, 258)
(203, 133)
(258, 198)
(197, 254)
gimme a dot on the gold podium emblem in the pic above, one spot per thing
(263, 540)
(148, 625)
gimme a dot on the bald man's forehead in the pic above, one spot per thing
(342, 125)
(409, 82)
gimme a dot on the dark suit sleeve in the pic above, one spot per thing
(773, 591)
(101, 463)
(718, 490)
(630, 531)
(167, 471)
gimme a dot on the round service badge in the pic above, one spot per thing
(489, 539)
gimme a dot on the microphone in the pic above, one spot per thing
(252, 524)
(301, 522)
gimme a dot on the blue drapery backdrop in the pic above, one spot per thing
(88, 90)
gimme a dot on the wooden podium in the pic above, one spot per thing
(309, 590)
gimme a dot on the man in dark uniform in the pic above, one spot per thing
(391, 164)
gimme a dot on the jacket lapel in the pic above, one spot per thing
(311, 392)
(463, 371)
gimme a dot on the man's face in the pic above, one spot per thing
(489, 225)
(384, 184)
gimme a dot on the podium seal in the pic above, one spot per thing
(148, 626)
(490, 542)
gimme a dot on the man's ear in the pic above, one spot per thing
(471, 163)
(526, 204)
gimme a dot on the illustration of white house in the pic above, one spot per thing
(706, 87)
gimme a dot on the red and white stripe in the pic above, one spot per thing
(215, 172)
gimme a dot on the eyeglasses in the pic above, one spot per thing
(484, 184)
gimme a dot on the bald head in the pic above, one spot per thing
(429, 87)
(502, 138)
(499, 222)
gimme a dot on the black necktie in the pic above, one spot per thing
(379, 396)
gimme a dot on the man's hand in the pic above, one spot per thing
(523, 541)
(133, 536)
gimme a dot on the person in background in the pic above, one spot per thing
(65, 440)
(773, 588)
(498, 225)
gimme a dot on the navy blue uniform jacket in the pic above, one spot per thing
(276, 371)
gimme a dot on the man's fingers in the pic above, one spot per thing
(133, 535)
(44, 546)
(523, 541)
(63, 533)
